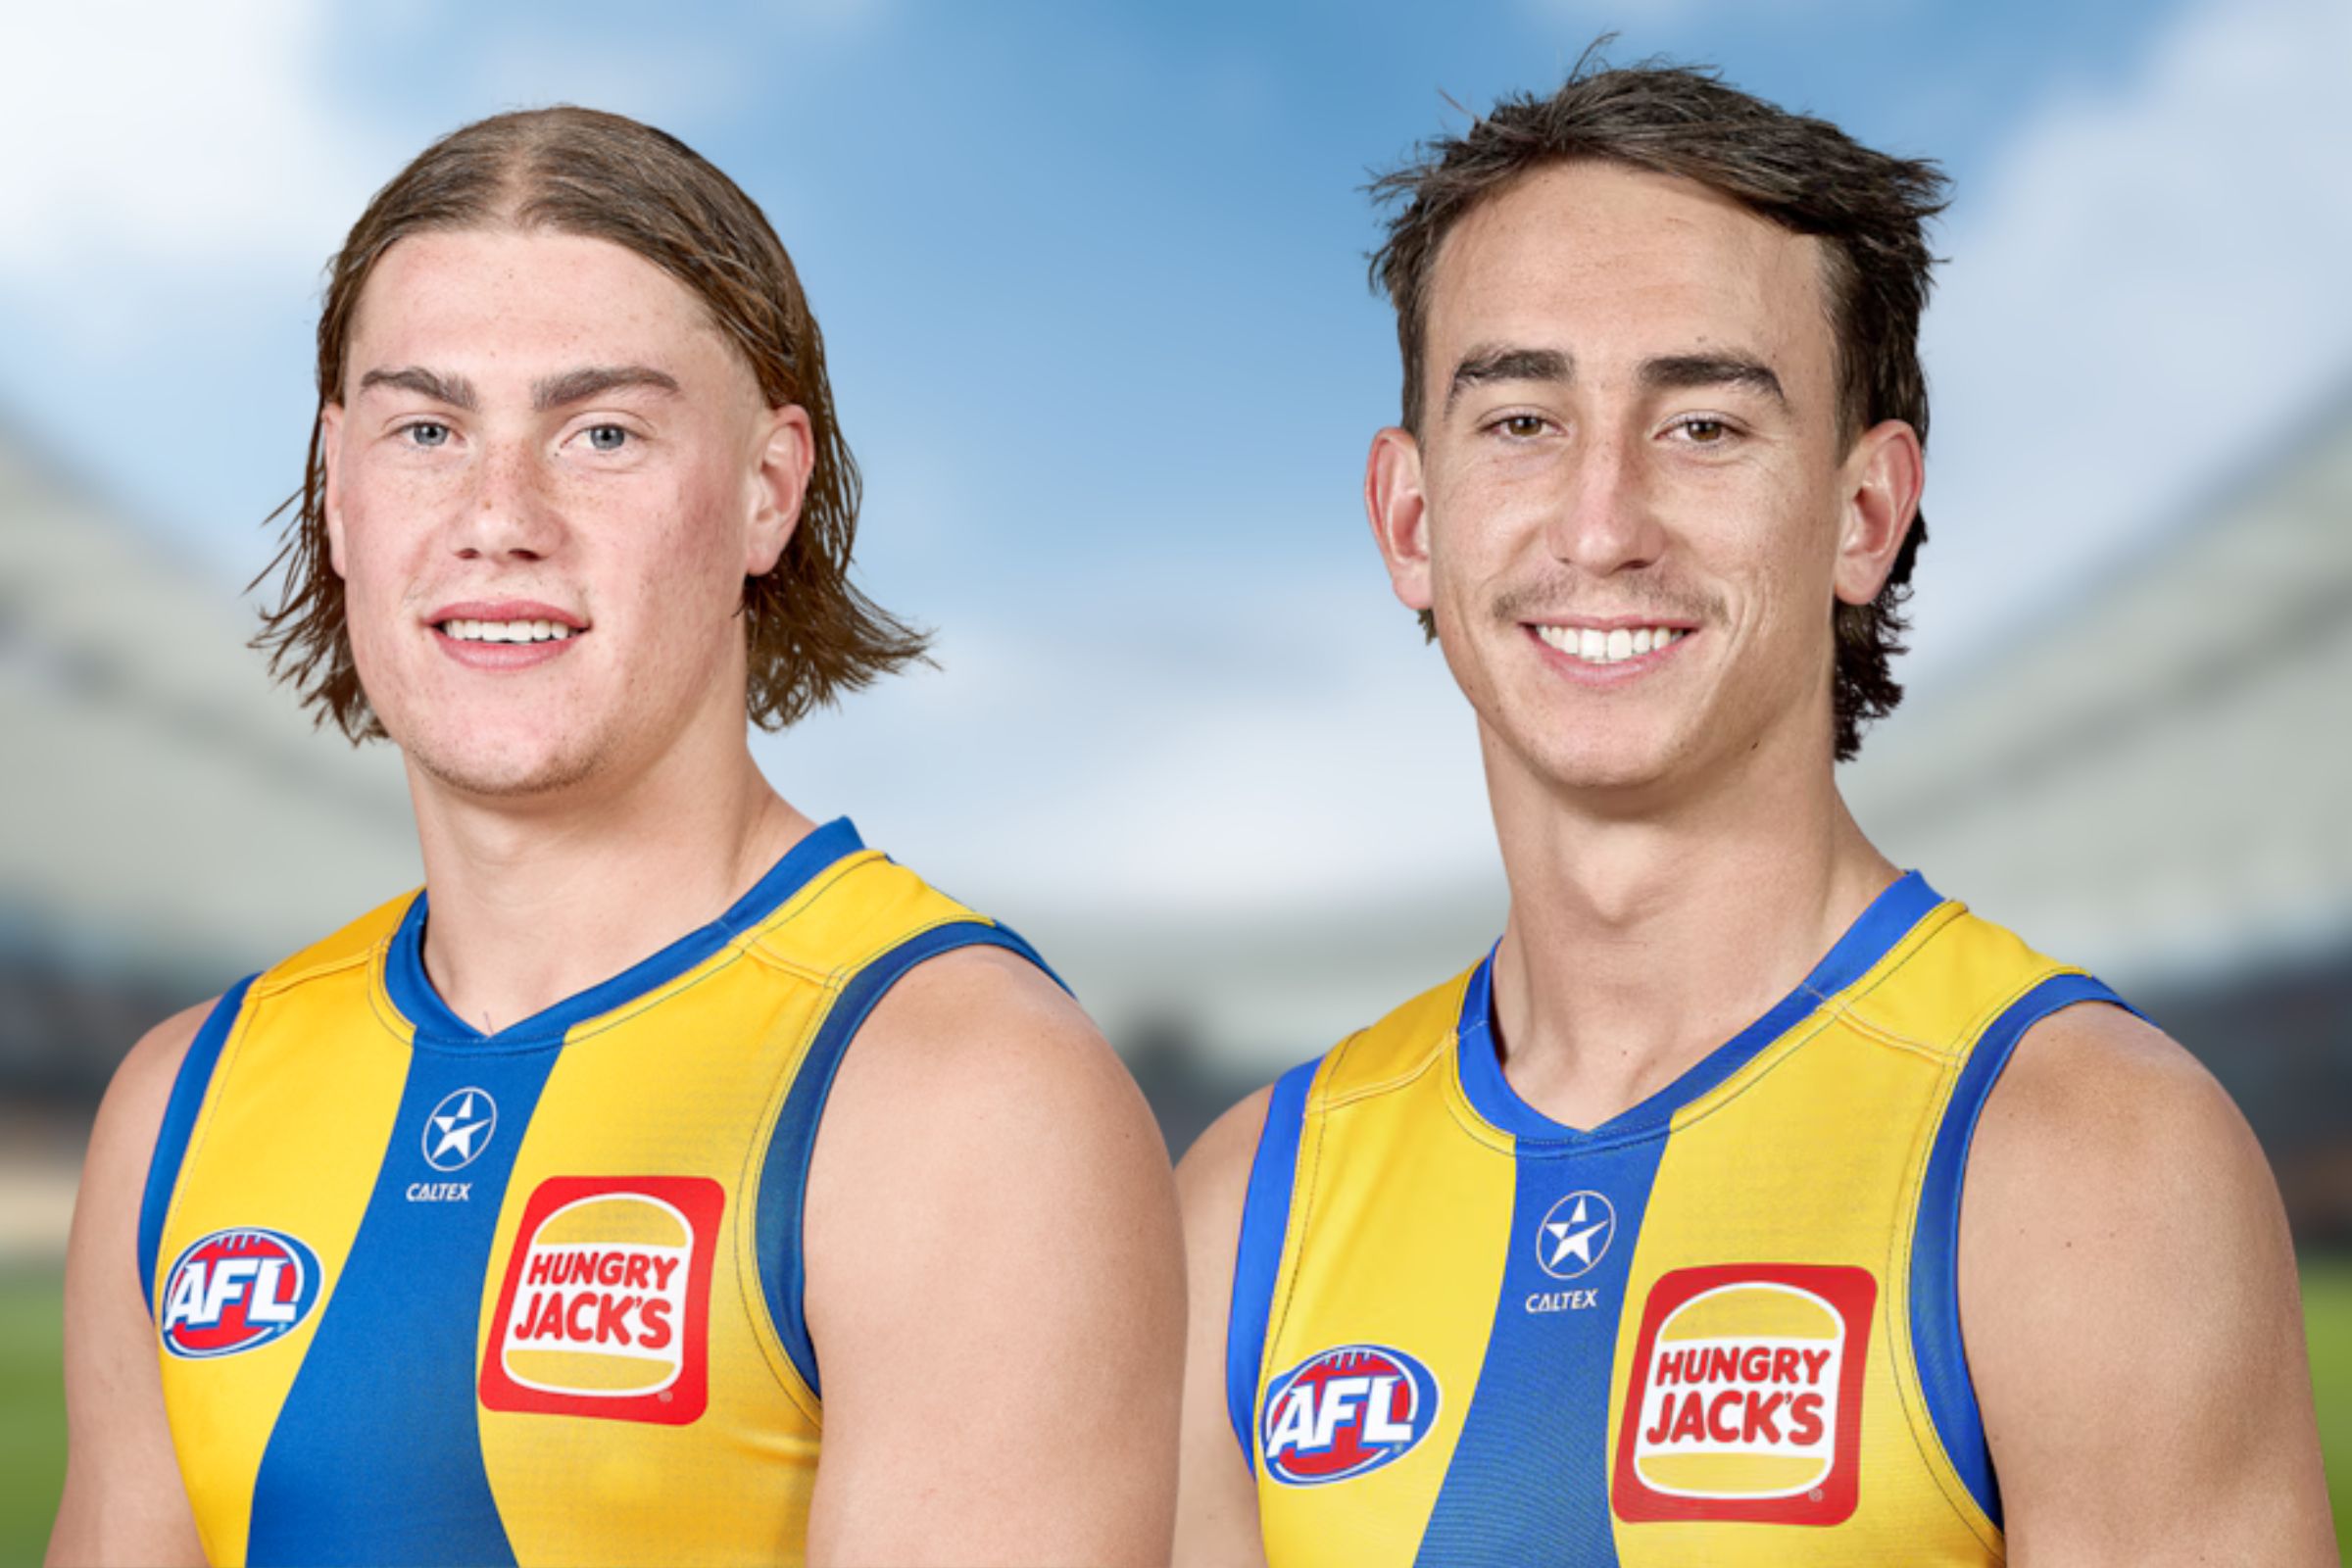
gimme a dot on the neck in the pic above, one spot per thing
(535, 900)
(1638, 941)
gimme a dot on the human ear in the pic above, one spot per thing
(779, 486)
(330, 451)
(1884, 474)
(1398, 511)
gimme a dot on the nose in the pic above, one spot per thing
(508, 512)
(1604, 519)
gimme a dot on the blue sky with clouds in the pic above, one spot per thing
(1092, 280)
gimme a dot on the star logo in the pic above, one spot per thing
(460, 1128)
(1575, 1235)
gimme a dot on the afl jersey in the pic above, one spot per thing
(430, 1295)
(1720, 1328)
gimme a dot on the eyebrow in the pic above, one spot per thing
(576, 387)
(453, 390)
(1671, 373)
(552, 392)
(1678, 372)
(1502, 363)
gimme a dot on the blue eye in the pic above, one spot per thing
(607, 437)
(427, 434)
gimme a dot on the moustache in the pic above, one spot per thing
(1556, 600)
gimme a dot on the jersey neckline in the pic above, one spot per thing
(412, 990)
(1890, 917)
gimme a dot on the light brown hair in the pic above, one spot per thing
(1869, 210)
(811, 634)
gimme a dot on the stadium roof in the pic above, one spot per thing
(2153, 775)
(168, 812)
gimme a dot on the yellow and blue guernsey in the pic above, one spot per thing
(430, 1295)
(1722, 1326)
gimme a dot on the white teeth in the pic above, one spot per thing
(506, 631)
(1597, 647)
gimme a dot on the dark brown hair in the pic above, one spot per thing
(811, 634)
(1869, 210)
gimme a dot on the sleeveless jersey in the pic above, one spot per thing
(425, 1294)
(1722, 1326)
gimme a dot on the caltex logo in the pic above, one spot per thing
(235, 1289)
(460, 1128)
(1347, 1411)
(1575, 1235)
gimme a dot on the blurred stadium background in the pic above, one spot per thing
(1181, 737)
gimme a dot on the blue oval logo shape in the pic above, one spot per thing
(237, 1288)
(1344, 1412)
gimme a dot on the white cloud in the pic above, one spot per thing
(174, 134)
(2146, 293)
(1290, 746)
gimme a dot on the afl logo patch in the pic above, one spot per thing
(1347, 1411)
(236, 1290)
(606, 1309)
(1745, 1396)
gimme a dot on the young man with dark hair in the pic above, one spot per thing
(1749, 1202)
(557, 1218)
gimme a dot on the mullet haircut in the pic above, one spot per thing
(1869, 211)
(811, 633)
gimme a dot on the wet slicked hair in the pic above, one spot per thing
(810, 632)
(1869, 211)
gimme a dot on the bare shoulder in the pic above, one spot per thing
(980, 1026)
(1216, 1520)
(132, 1112)
(122, 1499)
(991, 1226)
(1213, 1177)
(2103, 1138)
(2123, 1251)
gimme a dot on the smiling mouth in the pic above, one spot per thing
(1592, 646)
(508, 631)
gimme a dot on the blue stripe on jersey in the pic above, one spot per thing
(1951, 1395)
(784, 1168)
(1545, 1355)
(1902, 905)
(188, 1087)
(377, 1455)
(1257, 1256)
(413, 992)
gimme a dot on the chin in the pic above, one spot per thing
(505, 774)
(1600, 759)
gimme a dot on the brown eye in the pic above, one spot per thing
(1705, 432)
(1525, 426)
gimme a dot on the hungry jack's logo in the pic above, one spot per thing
(1744, 1400)
(606, 1310)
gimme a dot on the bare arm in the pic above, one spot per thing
(123, 1501)
(1216, 1498)
(2129, 1303)
(996, 1285)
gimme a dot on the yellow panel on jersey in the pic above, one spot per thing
(1720, 1327)
(440, 1297)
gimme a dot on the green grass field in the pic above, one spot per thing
(32, 1413)
(32, 1402)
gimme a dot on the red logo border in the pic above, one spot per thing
(1853, 1293)
(702, 1200)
